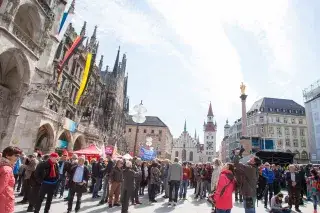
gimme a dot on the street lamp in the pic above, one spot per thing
(138, 118)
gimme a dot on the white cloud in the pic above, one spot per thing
(121, 20)
(216, 62)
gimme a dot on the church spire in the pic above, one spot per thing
(83, 29)
(116, 63)
(195, 134)
(101, 63)
(185, 126)
(210, 113)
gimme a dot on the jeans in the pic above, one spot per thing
(269, 188)
(174, 184)
(205, 187)
(249, 210)
(223, 211)
(96, 186)
(183, 189)
(60, 185)
(315, 199)
(105, 189)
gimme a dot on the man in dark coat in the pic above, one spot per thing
(137, 169)
(47, 173)
(250, 174)
(128, 186)
(294, 187)
(79, 176)
(97, 174)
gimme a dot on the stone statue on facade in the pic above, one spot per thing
(46, 34)
(243, 88)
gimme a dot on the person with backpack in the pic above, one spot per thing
(222, 197)
(314, 184)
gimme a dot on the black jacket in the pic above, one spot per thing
(43, 171)
(85, 173)
(97, 170)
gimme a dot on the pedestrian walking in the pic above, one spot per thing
(79, 178)
(48, 174)
(128, 186)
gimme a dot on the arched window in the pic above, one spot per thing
(177, 154)
(191, 156)
(304, 155)
(184, 155)
(297, 154)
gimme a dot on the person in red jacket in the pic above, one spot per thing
(226, 185)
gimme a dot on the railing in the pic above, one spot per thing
(13, 28)
(24, 38)
(48, 113)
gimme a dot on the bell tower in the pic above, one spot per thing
(209, 136)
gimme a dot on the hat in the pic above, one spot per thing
(54, 155)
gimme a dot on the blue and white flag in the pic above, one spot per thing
(147, 154)
(66, 19)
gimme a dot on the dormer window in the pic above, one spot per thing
(270, 109)
(278, 110)
(290, 111)
(261, 109)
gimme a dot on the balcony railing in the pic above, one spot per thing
(20, 35)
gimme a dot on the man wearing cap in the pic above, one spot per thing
(47, 173)
(79, 177)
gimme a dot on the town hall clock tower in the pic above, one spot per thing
(210, 130)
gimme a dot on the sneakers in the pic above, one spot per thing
(169, 204)
(174, 203)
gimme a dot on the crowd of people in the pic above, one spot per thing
(119, 183)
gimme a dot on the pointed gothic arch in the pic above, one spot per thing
(45, 138)
(79, 143)
(176, 154)
(14, 83)
(191, 156)
(184, 155)
(297, 154)
(28, 20)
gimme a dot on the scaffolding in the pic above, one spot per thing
(312, 92)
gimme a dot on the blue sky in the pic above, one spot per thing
(182, 54)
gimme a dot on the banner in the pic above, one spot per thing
(63, 144)
(109, 150)
(70, 125)
(84, 78)
(147, 155)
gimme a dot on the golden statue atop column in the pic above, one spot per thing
(243, 88)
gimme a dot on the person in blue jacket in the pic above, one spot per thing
(268, 174)
(16, 170)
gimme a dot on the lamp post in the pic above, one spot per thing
(138, 118)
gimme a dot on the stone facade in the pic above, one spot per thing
(187, 148)
(153, 127)
(36, 112)
(279, 123)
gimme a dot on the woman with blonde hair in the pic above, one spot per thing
(217, 167)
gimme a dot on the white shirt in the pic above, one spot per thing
(293, 177)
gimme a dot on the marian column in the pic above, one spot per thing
(244, 140)
(243, 98)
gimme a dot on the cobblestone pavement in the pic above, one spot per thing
(190, 205)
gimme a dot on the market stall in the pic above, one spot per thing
(90, 152)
